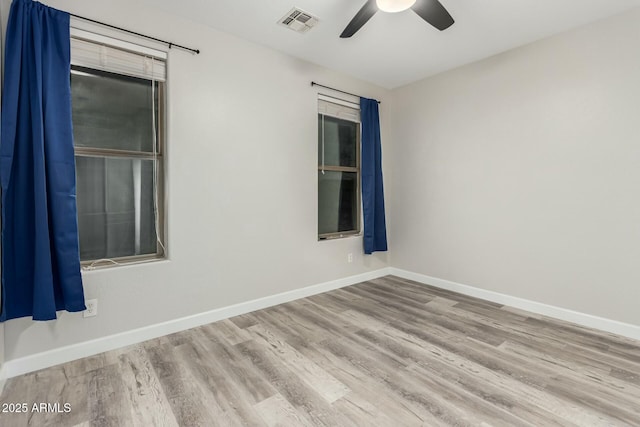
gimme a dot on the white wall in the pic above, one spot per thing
(520, 174)
(242, 186)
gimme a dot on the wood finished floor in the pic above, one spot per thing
(388, 352)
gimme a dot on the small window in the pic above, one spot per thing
(338, 170)
(118, 118)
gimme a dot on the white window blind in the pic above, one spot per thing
(344, 110)
(115, 60)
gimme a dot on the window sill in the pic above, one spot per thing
(101, 265)
(337, 236)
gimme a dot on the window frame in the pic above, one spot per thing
(357, 170)
(158, 156)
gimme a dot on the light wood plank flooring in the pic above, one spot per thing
(388, 352)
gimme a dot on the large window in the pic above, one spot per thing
(338, 169)
(118, 115)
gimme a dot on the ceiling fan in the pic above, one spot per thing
(431, 11)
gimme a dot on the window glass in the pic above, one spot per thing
(340, 141)
(111, 111)
(118, 167)
(115, 207)
(338, 170)
(337, 201)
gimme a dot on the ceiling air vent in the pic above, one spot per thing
(298, 20)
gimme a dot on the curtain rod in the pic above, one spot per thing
(170, 44)
(338, 90)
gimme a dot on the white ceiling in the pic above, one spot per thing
(392, 50)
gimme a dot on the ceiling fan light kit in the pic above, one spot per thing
(432, 11)
(393, 6)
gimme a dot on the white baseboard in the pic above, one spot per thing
(588, 320)
(13, 368)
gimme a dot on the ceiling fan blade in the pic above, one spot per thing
(434, 13)
(368, 10)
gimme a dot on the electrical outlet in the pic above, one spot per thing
(92, 308)
(349, 257)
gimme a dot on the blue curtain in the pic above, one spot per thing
(375, 229)
(40, 257)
